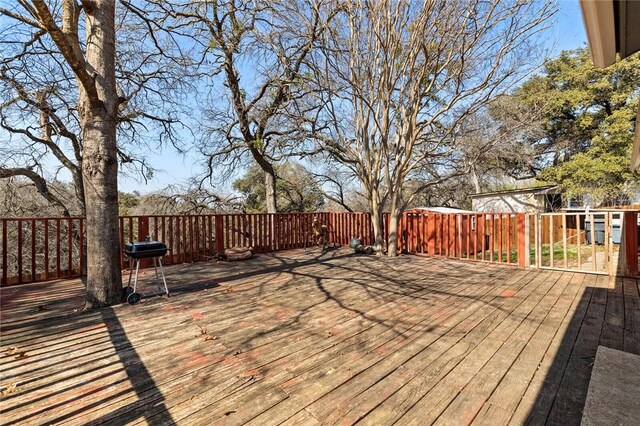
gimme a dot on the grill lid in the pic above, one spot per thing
(142, 249)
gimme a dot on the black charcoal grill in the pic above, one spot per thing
(136, 251)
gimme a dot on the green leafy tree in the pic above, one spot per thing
(588, 124)
(297, 189)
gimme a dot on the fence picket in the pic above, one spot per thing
(467, 236)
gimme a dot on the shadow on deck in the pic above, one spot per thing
(309, 338)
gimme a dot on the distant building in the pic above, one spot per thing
(537, 199)
(442, 210)
(544, 199)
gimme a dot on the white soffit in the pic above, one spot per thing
(600, 24)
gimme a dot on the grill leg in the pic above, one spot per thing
(166, 289)
(135, 282)
(155, 268)
(130, 271)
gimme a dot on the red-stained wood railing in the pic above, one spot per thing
(42, 249)
(630, 258)
(485, 237)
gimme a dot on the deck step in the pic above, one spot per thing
(614, 389)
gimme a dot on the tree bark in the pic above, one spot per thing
(100, 166)
(377, 223)
(476, 179)
(270, 195)
(392, 250)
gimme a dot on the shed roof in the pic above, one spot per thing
(443, 210)
(543, 189)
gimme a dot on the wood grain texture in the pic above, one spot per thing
(316, 338)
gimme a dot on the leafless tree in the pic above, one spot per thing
(186, 200)
(255, 53)
(398, 78)
(67, 92)
(93, 65)
(39, 113)
(68, 99)
(495, 144)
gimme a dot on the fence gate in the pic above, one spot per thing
(592, 242)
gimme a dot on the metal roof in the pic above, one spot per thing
(538, 189)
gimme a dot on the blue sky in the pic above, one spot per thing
(171, 168)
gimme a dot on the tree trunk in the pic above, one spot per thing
(270, 195)
(99, 166)
(377, 223)
(476, 179)
(393, 232)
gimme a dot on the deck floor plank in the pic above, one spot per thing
(460, 376)
(308, 338)
(572, 392)
(503, 401)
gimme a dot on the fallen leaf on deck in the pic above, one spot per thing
(22, 354)
(11, 388)
(229, 412)
(11, 350)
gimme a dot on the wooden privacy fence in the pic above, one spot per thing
(42, 249)
(487, 237)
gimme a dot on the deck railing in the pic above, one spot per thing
(600, 241)
(486, 237)
(42, 249)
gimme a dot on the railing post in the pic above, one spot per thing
(522, 233)
(431, 234)
(143, 232)
(5, 267)
(219, 235)
(143, 227)
(629, 249)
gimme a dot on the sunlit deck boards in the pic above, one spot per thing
(296, 338)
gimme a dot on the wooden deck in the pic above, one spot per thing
(302, 339)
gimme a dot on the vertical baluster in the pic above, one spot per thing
(179, 239)
(492, 235)
(564, 240)
(70, 247)
(470, 234)
(579, 241)
(192, 227)
(19, 225)
(551, 242)
(81, 246)
(509, 229)
(594, 266)
(58, 268)
(33, 251)
(5, 267)
(483, 234)
(46, 249)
